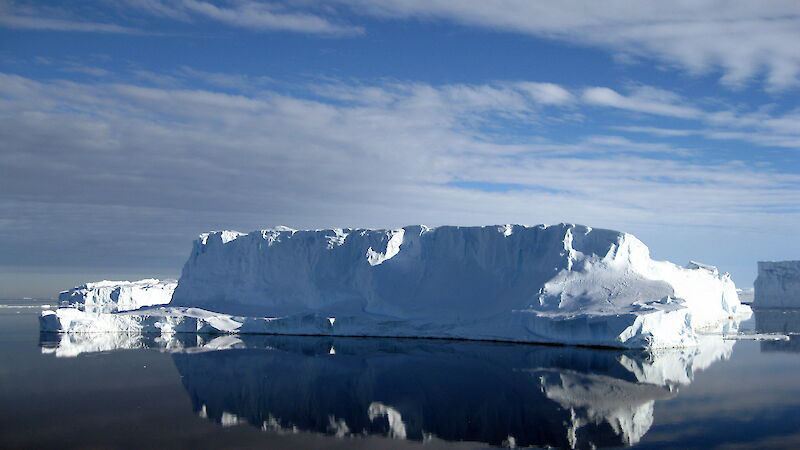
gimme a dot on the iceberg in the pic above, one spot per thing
(112, 296)
(777, 284)
(564, 284)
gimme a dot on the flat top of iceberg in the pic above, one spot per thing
(113, 284)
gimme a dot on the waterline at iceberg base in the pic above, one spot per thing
(494, 393)
(566, 284)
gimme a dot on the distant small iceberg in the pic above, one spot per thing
(777, 285)
(112, 296)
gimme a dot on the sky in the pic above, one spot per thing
(128, 127)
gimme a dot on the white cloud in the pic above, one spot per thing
(266, 16)
(723, 124)
(86, 70)
(168, 9)
(642, 101)
(760, 138)
(741, 39)
(621, 144)
(43, 23)
(125, 175)
(232, 81)
(13, 16)
(249, 14)
(547, 93)
(319, 162)
(666, 132)
(741, 42)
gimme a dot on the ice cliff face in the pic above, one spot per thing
(563, 283)
(113, 296)
(778, 284)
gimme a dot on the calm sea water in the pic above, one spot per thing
(117, 391)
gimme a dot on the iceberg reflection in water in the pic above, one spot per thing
(784, 321)
(500, 394)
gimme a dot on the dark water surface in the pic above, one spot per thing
(117, 391)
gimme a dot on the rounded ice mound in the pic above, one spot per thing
(112, 296)
(563, 283)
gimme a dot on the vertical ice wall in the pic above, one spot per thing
(778, 284)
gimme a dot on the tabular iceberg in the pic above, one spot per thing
(778, 284)
(564, 283)
(112, 296)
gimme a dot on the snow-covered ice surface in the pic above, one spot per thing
(543, 396)
(112, 296)
(777, 284)
(564, 283)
